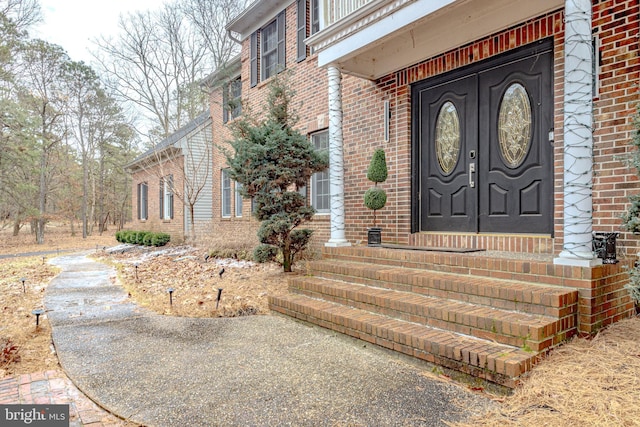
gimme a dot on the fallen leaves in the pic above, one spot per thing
(196, 281)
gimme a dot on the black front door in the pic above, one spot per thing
(482, 155)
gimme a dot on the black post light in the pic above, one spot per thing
(170, 290)
(219, 296)
(37, 312)
(136, 266)
(24, 289)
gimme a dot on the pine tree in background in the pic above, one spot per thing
(631, 219)
(272, 160)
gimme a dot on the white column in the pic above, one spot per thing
(336, 160)
(578, 137)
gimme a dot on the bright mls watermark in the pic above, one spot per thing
(34, 415)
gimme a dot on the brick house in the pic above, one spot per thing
(171, 183)
(505, 124)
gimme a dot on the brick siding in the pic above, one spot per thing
(175, 226)
(616, 24)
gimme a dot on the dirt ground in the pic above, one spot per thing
(585, 382)
(148, 274)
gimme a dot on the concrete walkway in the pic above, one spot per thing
(259, 370)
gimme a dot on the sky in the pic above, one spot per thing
(72, 24)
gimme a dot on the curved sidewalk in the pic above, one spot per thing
(259, 370)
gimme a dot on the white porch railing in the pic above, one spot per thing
(335, 10)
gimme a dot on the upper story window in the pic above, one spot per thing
(315, 16)
(232, 100)
(267, 50)
(308, 24)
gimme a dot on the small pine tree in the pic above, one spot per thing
(376, 198)
(272, 160)
(631, 219)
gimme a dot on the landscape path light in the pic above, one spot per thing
(170, 290)
(136, 266)
(24, 290)
(218, 299)
(37, 312)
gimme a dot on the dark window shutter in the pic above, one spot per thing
(254, 58)
(171, 197)
(139, 201)
(225, 103)
(281, 47)
(161, 198)
(302, 29)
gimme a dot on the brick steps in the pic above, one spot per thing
(507, 327)
(495, 362)
(491, 318)
(500, 293)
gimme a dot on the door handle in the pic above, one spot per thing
(472, 169)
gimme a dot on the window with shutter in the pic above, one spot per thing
(272, 57)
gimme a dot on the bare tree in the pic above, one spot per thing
(210, 18)
(22, 13)
(153, 63)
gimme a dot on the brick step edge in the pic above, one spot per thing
(541, 272)
(507, 327)
(505, 294)
(494, 362)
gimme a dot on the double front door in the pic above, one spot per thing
(483, 152)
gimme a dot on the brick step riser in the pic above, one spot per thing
(509, 333)
(461, 289)
(507, 269)
(476, 362)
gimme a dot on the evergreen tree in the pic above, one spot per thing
(272, 160)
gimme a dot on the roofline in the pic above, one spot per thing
(256, 15)
(169, 142)
(232, 68)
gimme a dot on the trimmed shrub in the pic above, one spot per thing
(160, 239)
(147, 239)
(140, 235)
(375, 198)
